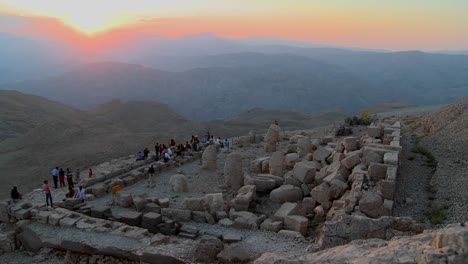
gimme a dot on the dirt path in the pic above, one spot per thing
(412, 192)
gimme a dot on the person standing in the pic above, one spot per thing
(62, 178)
(226, 144)
(69, 178)
(156, 150)
(146, 152)
(150, 176)
(55, 175)
(90, 173)
(47, 192)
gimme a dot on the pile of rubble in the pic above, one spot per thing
(329, 191)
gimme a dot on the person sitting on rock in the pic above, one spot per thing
(71, 192)
(178, 151)
(81, 194)
(169, 150)
(139, 156)
(15, 195)
(146, 153)
(167, 157)
(187, 145)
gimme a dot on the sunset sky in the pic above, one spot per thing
(397, 24)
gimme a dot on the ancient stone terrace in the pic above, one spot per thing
(302, 190)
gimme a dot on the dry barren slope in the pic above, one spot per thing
(448, 140)
(39, 134)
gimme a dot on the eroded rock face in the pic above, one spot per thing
(233, 171)
(210, 158)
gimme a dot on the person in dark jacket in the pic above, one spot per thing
(15, 195)
(70, 178)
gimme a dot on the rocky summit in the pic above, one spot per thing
(303, 196)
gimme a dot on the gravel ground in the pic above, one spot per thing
(24, 257)
(448, 142)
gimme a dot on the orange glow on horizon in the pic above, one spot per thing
(398, 25)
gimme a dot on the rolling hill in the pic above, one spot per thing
(39, 134)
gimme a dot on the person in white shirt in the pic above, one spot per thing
(169, 151)
(81, 194)
(167, 157)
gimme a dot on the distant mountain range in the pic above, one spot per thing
(208, 77)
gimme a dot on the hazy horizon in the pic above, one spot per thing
(399, 25)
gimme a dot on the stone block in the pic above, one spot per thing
(291, 234)
(152, 208)
(296, 223)
(139, 203)
(285, 210)
(177, 214)
(55, 218)
(193, 203)
(226, 222)
(387, 189)
(290, 159)
(69, 220)
(371, 204)
(337, 188)
(304, 172)
(23, 214)
(102, 211)
(322, 194)
(43, 216)
(198, 217)
(286, 193)
(124, 199)
(164, 202)
(99, 189)
(375, 131)
(350, 161)
(131, 218)
(152, 218)
(231, 238)
(391, 158)
(322, 153)
(350, 143)
(378, 171)
(271, 225)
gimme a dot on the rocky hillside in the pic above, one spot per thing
(38, 134)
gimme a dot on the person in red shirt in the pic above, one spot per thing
(47, 192)
(90, 173)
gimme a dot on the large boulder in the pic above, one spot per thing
(233, 171)
(179, 183)
(124, 199)
(286, 193)
(277, 163)
(272, 138)
(210, 158)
